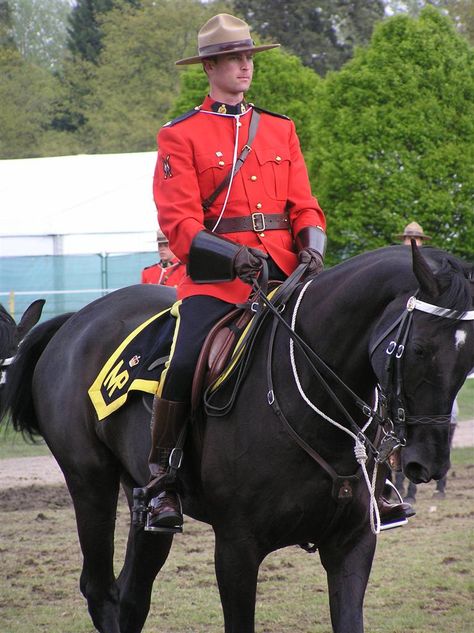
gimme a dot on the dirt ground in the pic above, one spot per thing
(41, 561)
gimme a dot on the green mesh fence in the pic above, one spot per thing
(67, 282)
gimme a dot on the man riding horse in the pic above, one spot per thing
(231, 189)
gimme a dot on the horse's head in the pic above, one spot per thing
(11, 334)
(422, 352)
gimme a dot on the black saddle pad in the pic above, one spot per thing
(136, 364)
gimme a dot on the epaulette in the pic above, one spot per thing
(150, 266)
(259, 109)
(182, 117)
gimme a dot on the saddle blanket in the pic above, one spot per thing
(136, 364)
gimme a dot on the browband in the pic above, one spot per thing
(415, 304)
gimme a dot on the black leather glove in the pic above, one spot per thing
(311, 244)
(248, 262)
(312, 259)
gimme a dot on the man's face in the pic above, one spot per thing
(165, 253)
(418, 240)
(230, 74)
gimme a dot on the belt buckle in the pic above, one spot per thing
(258, 222)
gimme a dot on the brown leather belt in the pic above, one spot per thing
(257, 222)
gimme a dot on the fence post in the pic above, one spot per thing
(11, 303)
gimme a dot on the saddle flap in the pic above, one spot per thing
(216, 351)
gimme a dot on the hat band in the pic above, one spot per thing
(213, 49)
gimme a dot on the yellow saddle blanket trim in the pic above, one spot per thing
(114, 376)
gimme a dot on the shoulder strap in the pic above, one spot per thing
(238, 163)
(280, 116)
(182, 117)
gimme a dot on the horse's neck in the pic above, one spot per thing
(336, 317)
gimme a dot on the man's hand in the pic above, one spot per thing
(313, 261)
(248, 263)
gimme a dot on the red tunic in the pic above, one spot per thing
(171, 275)
(195, 154)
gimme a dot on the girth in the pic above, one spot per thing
(256, 222)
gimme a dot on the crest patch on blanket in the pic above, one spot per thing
(136, 364)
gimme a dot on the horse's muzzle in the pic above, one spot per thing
(417, 473)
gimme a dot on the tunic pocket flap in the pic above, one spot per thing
(272, 155)
(209, 161)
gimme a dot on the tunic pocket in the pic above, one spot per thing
(211, 170)
(275, 166)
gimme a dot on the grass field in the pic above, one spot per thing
(466, 400)
(421, 580)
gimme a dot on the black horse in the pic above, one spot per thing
(279, 468)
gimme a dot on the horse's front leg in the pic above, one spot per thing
(146, 555)
(348, 565)
(237, 561)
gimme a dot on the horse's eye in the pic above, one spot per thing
(418, 351)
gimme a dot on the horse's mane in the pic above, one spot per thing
(7, 331)
(454, 276)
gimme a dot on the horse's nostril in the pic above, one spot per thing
(416, 473)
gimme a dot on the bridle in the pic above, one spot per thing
(380, 451)
(4, 364)
(391, 382)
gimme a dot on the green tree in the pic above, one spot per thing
(6, 25)
(323, 34)
(134, 84)
(461, 12)
(85, 34)
(39, 28)
(26, 93)
(394, 139)
(297, 89)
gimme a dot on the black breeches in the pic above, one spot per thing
(197, 316)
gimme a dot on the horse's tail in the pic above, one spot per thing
(17, 396)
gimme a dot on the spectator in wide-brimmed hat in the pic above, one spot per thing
(413, 231)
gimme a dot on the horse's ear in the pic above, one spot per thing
(424, 274)
(30, 317)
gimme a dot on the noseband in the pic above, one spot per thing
(392, 383)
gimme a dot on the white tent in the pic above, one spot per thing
(77, 204)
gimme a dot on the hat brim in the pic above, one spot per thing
(412, 235)
(198, 58)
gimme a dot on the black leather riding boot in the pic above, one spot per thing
(167, 422)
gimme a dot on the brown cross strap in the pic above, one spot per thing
(256, 222)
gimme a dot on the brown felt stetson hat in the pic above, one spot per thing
(224, 34)
(413, 230)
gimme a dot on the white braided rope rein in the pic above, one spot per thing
(359, 448)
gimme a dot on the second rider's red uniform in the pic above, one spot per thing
(169, 275)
